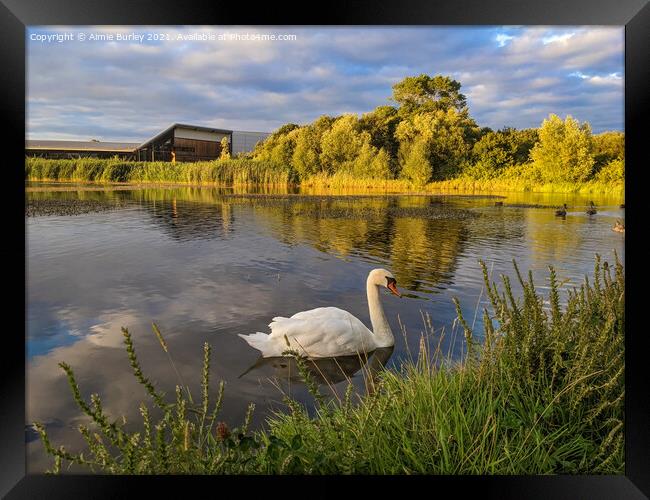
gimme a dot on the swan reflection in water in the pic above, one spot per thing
(323, 370)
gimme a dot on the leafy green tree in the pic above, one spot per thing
(275, 137)
(306, 154)
(381, 165)
(305, 159)
(381, 125)
(323, 123)
(277, 146)
(523, 141)
(493, 153)
(417, 168)
(361, 165)
(608, 146)
(448, 136)
(341, 144)
(425, 93)
(431, 136)
(483, 131)
(496, 151)
(282, 152)
(564, 151)
(613, 172)
(371, 163)
(286, 129)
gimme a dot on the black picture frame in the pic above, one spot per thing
(17, 14)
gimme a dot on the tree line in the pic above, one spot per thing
(429, 135)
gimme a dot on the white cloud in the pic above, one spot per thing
(579, 74)
(503, 39)
(557, 38)
(611, 79)
(128, 91)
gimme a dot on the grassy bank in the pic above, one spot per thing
(540, 391)
(462, 184)
(589, 187)
(241, 172)
(225, 172)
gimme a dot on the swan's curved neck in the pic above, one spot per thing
(380, 327)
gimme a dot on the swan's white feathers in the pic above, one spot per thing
(332, 330)
(328, 331)
(259, 341)
(321, 313)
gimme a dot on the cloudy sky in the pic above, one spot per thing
(128, 89)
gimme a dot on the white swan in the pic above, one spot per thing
(329, 331)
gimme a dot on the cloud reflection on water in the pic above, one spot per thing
(206, 267)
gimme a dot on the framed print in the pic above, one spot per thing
(389, 242)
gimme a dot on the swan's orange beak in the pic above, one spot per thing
(393, 288)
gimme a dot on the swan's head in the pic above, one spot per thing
(382, 277)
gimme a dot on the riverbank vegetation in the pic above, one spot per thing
(429, 138)
(540, 391)
(426, 141)
(224, 171)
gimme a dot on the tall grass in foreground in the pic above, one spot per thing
(541, 393)
(225, 172)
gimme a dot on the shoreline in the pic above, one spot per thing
(453, 186)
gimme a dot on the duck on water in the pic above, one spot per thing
(592, 209)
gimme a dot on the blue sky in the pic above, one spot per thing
(128, 90)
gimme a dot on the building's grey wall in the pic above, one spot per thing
(244, 142)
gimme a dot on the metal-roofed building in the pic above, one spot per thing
(178, 142)
(78, 149)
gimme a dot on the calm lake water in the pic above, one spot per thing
(206, 264)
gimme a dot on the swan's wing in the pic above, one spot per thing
(323, 312)
(326, 316)
(322, 332)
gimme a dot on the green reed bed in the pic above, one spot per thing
(539, 392)
(515, 184)
(244, 171)
(460, 184)
(226, 172)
